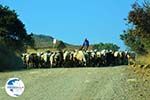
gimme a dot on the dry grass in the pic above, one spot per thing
(144, 59)
(142, 66)
(40, 50)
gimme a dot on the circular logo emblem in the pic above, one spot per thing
(14, 87)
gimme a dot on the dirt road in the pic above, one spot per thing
(109, 83)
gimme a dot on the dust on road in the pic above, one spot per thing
(108, 83)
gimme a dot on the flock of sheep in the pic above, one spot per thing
(76, 58)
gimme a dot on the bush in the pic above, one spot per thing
(107, 46)
(9, 59)
(137, 34)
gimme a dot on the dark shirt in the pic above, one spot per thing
(86, 43)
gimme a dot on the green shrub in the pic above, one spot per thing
(9, 59)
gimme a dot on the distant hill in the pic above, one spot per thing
(44, 41)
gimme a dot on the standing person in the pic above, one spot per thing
(54, 43)
(85, 45)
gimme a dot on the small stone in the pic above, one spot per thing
(141, 94)
(131, 80)
(87, 81)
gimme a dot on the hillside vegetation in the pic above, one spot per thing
(44, 42)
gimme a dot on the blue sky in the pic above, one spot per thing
(74, 20)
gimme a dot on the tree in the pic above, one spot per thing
(107, 46)
(133, 42)
(13, 39)
(12, 30)
(137, 35)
